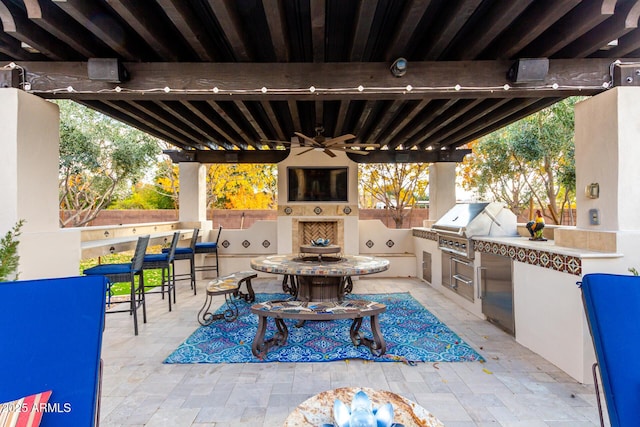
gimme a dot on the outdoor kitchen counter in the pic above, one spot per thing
(548, 246)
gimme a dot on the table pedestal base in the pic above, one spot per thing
(320, 288)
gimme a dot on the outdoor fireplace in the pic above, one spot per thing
(303, 231)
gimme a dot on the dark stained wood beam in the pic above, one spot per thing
(412, 14)
(364, 23)
(421, 120)
(224, 116)
(457, 15)
(612, 29)
(273, 15)
(224, 156)
(580, 20)
(228, 20)
(318, 17)
(51, 18)
(16, 24)
(333, 81)
(127, 44)
(540, 16)
(388, 115)
(410, 156)
(497, 19)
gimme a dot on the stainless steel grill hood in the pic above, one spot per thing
(465, 220)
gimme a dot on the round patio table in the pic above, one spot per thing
(320, 279)
(318, 410)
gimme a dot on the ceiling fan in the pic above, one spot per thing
(320, 143)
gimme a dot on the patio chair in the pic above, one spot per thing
(51, 333)
(188, 253)
(209, 248)
(164, 262)
(612, 306)
(127, 272)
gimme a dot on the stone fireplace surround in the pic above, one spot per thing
(305, 230)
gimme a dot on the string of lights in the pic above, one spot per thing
(313, 90)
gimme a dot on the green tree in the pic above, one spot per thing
(398, 185)
(532, 159)
(100, 158)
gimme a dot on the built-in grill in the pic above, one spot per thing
(466, 220)
(455, 231)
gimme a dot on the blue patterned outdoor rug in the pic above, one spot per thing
(411, 332)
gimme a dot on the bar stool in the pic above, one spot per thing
(188, 253)
(127, 272)
(164, 262)
(209, 248)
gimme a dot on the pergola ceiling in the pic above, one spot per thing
(221, 80)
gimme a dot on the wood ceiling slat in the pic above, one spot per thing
(273, 15)
(475, 115)
(364, 22)
(11, 47)
(580, 20)
(273, 118)
(51, 19)
(248, 117)
(456, 17)
(131, 115)
(319, 113)
(413, 110)
(183, 114)
(295, 115)
(318, 19)
(499, 124)
(342, 114)
(155, 110)
(200, 113)
(627, 44)
(470, 132)
(422, 121)
(363, 118)
(229, 121)
(388, 116)
(412, 15)
(188, 24)
(424, 136)
(230, 24)
(17, 25)
(148, 25)
(625, 21)
(537, 19)
(119, 39)
(498, 18)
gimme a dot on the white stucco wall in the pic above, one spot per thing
(29, 141)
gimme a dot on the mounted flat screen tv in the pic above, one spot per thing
(317, 184)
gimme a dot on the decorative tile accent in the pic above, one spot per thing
(425, 234)
(226, 244)
(266, 244)
(246, 244)
(317, 210)
(288, 210)
(390, 243)
(369, 244)
(346, 210)
(545, 259)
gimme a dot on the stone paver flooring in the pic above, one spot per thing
(514, 388)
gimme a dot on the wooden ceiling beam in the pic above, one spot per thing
(224, 10)
(127, 44)
(224, 116)
(240, 81)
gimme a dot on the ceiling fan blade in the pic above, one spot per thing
(305, 151)
(356, 145)
(338, 139)
(309, 140)
(329, 153)
(348, 150)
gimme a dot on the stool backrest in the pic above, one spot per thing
(138, 255)
(219, 231)
(194, 239)
(174, 244)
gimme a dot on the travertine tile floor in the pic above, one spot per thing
(515, 387)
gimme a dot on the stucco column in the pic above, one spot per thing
(193, 198)
(29, 142)
(442, 189)
(607, 140)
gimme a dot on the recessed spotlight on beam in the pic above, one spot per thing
(399, 67)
